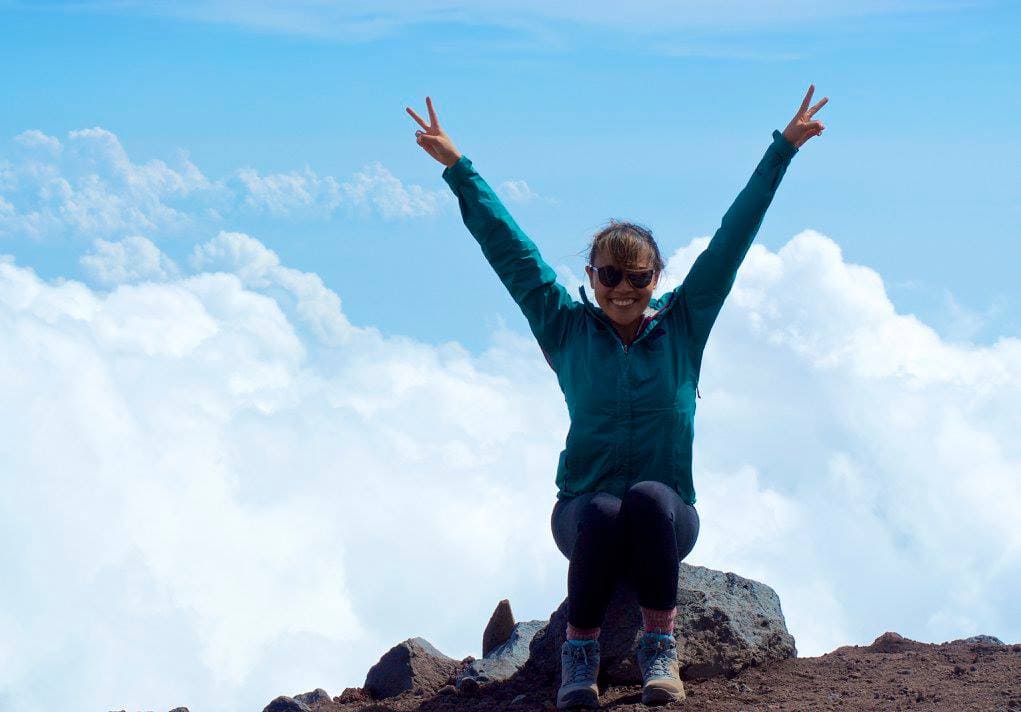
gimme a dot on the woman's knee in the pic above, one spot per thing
(600, 514)
(649, 496)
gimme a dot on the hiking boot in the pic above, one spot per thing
(661, 679)
(579, 665)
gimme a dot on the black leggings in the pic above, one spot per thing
(644, 537)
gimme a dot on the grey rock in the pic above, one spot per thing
(499, 628)
(724, 624)
(981, 640)
(317, 695)
(505, 659)
(286, 704)
(179, 709)
(412, 665)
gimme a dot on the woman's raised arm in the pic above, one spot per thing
(532, 283)
(712, 275)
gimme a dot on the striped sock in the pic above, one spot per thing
(582, 633)
(658, 621)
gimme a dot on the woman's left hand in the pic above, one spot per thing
(801, 128)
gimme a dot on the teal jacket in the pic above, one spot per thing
(632, 408)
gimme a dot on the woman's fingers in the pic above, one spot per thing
(808, 98)
(817, 107)
(417, 118)
(432, 112)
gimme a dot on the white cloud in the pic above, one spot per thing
(213, 465)
(88, 187)
(289, 193)
(377, 188)
(130, 260)
(517, 191)
(352, 22)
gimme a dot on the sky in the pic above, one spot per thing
(268, 411)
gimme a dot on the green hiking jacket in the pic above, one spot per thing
(632, 408)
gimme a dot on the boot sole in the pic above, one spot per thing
(659, 696)
(578, 698)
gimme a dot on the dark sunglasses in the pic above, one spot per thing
(610, 276)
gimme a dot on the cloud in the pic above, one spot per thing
(88, 187)
(518, 191)
(132, 259)
(216, 458)
(351, 22)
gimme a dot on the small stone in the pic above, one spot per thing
(284, 703)
(447, 690)
(499, 628)
(517, 700)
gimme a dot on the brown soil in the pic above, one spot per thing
(891, 674)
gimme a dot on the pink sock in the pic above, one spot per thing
(658, 621)
(582, 633)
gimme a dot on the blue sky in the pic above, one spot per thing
(243, 329)
(913, 176)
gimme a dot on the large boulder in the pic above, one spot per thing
(724, 624)
(505, 659)
(412, 665)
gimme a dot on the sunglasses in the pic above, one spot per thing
(610, 276)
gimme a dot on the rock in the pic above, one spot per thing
(286, 704)
(890, 642)
(980, 640)
(317, 695)
(412, 665)
(520, 699)
(724, 623)
(179, 709)
(506, 659)
(352, 694)
(499, 628)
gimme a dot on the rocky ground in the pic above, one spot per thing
(892, 673)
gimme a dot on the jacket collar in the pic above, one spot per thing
(656, 315)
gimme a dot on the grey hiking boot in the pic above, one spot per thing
(579, 665)
(661, 679)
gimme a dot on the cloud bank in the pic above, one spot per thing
(221, 489)
(87, 186)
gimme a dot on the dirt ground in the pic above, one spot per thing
(890, 674)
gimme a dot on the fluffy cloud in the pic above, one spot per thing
(206, 466)
(130, 260)
(87, 186)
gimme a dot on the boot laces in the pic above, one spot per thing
(581, 666)
(660, 656)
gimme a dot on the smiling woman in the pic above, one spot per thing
(629, 371)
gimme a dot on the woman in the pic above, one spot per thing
(629, 372)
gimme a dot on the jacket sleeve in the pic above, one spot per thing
(712, 275)
(531, 282)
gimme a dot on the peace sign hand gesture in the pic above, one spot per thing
(434, 139)
(801, 128)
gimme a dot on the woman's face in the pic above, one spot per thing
(623, 304)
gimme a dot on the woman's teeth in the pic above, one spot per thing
(623, 302)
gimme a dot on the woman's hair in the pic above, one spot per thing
(627, 243)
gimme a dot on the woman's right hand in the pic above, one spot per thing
(434, 139)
